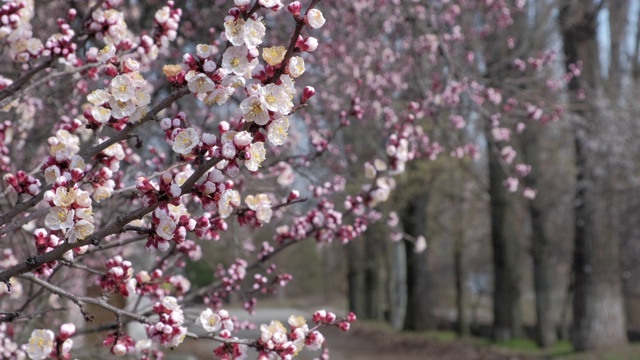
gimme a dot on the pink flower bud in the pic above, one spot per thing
(111, 71)
(294, 194)
(189, 60)
(351, 317)
(331, 317)
(67, 330)
(307, 93)
(223, 127)
(345, 326)
(71, 14)
(77, 175)
(310, 44)
(235, 12)
(119, 349)
(294, 8)
(11, 180)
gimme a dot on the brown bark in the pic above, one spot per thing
(505, 235)
(462, 321)
(598, 316)
(618, 20)
(542, 247)
(419, 314)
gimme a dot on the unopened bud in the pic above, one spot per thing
(111, 71)
(310, 44)
(119, 349)
(307, 93)
(351, 317)
(67, 330)
(294, 194)
(294, 8)
(345, 326)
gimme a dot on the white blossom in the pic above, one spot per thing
(98, 97)
(235, 60)
(228, 200)
(166, 227)
(243, 138)
(185, 141)
(254, 31)
(100, 114)
(80, 230)
(261, 205)
(277, 132)
(269, 3)
(122, 88)
(171, 303)
(420, 244)
(315, 18)
(40, 344)
(276, 98)
(120, 109)
(204, 51)
(59, 218)
(296, 66)
(234, 29)
(254, 109)
(199, 83)
(275, 332)
(258, 153)
(210, 321)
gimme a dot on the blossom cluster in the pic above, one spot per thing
(9, 349)
(221, 321)
(15, 26)
(44, 343)
(168, 331)
(120, 344)
(231, 279)
(70, 210)
(5, 139)
(45, 243)
(126, 98)
(23, 183)
(118, 278)
(103, 181)
(260, 210)
(63, 159)
(167, 21)
(109, 26)
(276, 339)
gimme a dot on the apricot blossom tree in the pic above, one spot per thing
(125, 153)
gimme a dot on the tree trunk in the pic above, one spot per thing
(374, 272)
(462, 321)
(507, 321)
(365, 275)
(598, 315)
(419, 315)
(618, 21)
(355, 278)
(543, 270)
(398, 285)
(462, 316)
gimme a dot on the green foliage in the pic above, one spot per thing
(199, 273)
(529, 347)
